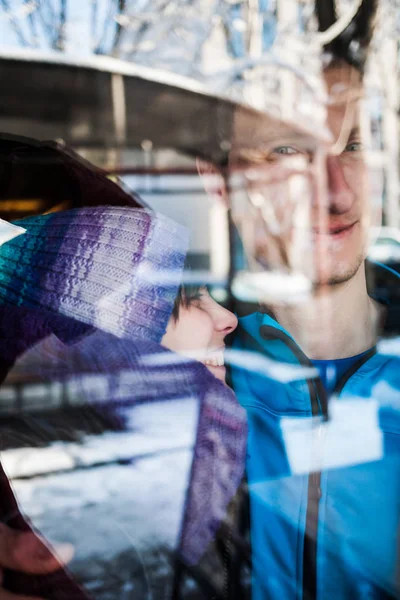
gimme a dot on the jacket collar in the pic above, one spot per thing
(271, 338)
(274, 340)
(386, 290)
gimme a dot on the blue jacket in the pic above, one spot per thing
(324, 493)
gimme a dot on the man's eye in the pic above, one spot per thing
(285, 150)
(354, 147)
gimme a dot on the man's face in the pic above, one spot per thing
(311, 198)
(341, 213)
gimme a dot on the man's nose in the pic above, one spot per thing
(340, 195)
(225, 321)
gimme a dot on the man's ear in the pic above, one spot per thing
(213, 180)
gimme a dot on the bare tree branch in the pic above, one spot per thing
(99, 46)
(93, 23)
(118, 31)
(49, 10)
(18, 31)
(48, 27)
(60, 41)
(33, 24)
(146, 25)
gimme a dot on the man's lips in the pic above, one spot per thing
(336, 231)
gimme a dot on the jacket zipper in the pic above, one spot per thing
(319, 407)
(315, 493)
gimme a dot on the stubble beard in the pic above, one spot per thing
(342, 275)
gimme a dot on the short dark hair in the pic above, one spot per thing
(352, 44)
(187, 294)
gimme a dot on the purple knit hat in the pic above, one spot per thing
(116, 268)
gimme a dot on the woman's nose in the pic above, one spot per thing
(225, 320)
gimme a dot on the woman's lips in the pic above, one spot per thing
(215, 358)
(214, 362)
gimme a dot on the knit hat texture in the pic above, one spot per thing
(115, 268)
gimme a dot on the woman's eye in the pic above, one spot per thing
(196, 301)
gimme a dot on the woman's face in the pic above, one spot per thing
(200, 331)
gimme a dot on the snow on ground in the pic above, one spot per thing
(152, 428)
(123, 520)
